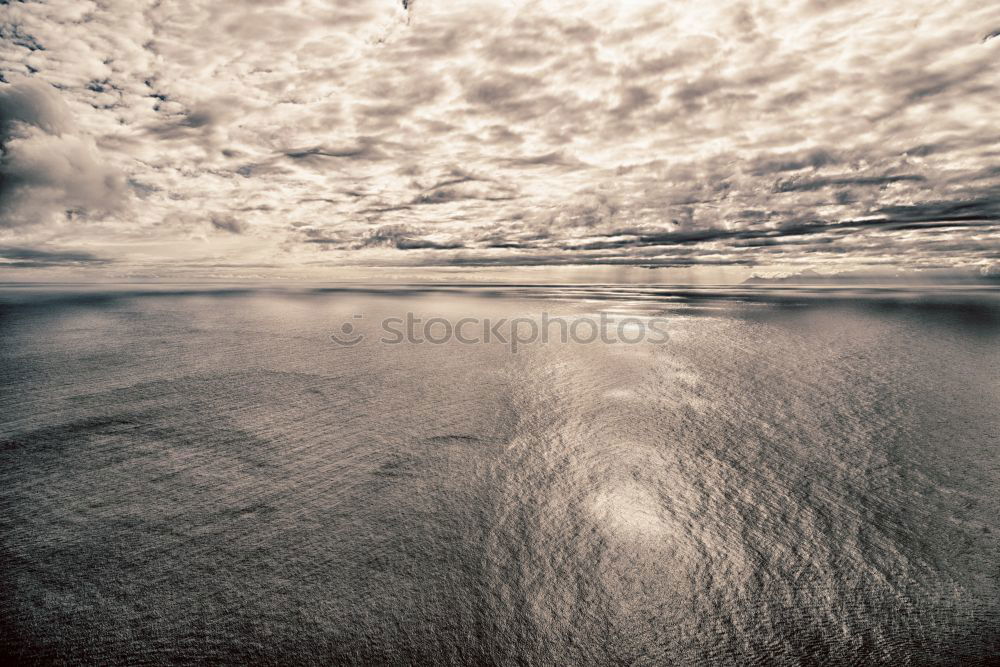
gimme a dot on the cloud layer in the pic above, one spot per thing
(309, 134)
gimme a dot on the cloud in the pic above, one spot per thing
(203, 124)
(793, 184)
(20, 257)
(402, 237)
(365, 148)
(982, 209)
(32, 102)
(45, 168)
(369, 132)
(227, 223)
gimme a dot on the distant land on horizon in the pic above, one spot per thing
(853, 278)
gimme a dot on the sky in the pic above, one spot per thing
(360, 139)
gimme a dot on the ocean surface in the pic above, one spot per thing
(791, 477)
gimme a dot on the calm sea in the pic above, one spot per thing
(791, 477)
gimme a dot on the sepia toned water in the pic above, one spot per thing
(793, 477)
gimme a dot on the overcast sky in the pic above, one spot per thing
(215, 138)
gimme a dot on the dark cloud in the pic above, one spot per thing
(47, 167)
(554, 158)
(402, 237)
(142, 190)
(227, 223)
(427, 244)
(691, 94)
(204, 123)
(366, 148)
(634, 98)
(814, 158)
(33, 103)
(982, 209)
(922, 217)
(551, 259)
(22, 257)
(805, 184)
(444, 195)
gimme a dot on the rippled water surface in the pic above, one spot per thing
(791, 478)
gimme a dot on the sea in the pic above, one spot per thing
(236, 474)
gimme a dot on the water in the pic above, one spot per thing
(792, 478)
